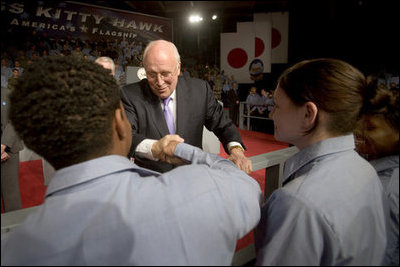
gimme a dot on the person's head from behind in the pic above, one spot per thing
(162, 63)
(107, 63)
(317, 99)
(377, 133)
(68, 110)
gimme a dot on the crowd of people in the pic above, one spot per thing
(15, 58)
(178, 205)
(38, 45)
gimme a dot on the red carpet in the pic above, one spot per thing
(256, 143)
(31, 183)
(33, 190)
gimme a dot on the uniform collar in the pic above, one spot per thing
(92, 169)
(385, 163)
(322, 148)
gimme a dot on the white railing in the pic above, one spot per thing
(244, 114)
(272, 162)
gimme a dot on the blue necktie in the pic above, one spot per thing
(169, 118)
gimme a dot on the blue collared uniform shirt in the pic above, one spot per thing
(330, 210)
(109, 211)
(388, 172)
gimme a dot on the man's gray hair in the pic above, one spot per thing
(172, 45)
(106, 60)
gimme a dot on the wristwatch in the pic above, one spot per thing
(233, 147)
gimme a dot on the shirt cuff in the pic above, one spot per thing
(231, 144)
(144, 149)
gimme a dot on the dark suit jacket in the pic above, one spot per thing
(196, 107)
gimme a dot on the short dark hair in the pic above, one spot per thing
(63, 107)
(384, 102)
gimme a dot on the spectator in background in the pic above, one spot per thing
(4, 82)
(232, 80)
(330, 208)
(17, 66)
(102, 209)
(92, 55)
(226, 87)
(10, 147)
(233, 103)
(86, 48)
(139, 48)
(107, 63)
(253, 101)
(225, 90)
(22, 58)
(394, 86)
(32, 51)
(378, 141)
(13, 80)
(35, 57)
(207, 78)
(77, 51)
(265, 108)
(6, 71)
(267, 102)
(218, 87)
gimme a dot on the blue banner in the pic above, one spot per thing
(83, 21)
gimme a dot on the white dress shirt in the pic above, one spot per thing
(144, 148)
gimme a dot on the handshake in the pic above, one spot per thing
(164, 149)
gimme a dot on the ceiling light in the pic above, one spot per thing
(195, 18)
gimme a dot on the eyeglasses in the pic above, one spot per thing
(164, 75)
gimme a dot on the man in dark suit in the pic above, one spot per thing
(193, 105)
(11, 144)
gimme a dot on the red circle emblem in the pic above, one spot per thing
(259, 47)
(276, 38)
(237, 58)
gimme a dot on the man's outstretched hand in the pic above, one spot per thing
(164, 149)
(242, 162)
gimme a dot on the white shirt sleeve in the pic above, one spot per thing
(144, 149)
(231, 144)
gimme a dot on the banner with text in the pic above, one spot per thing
(83, 21)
